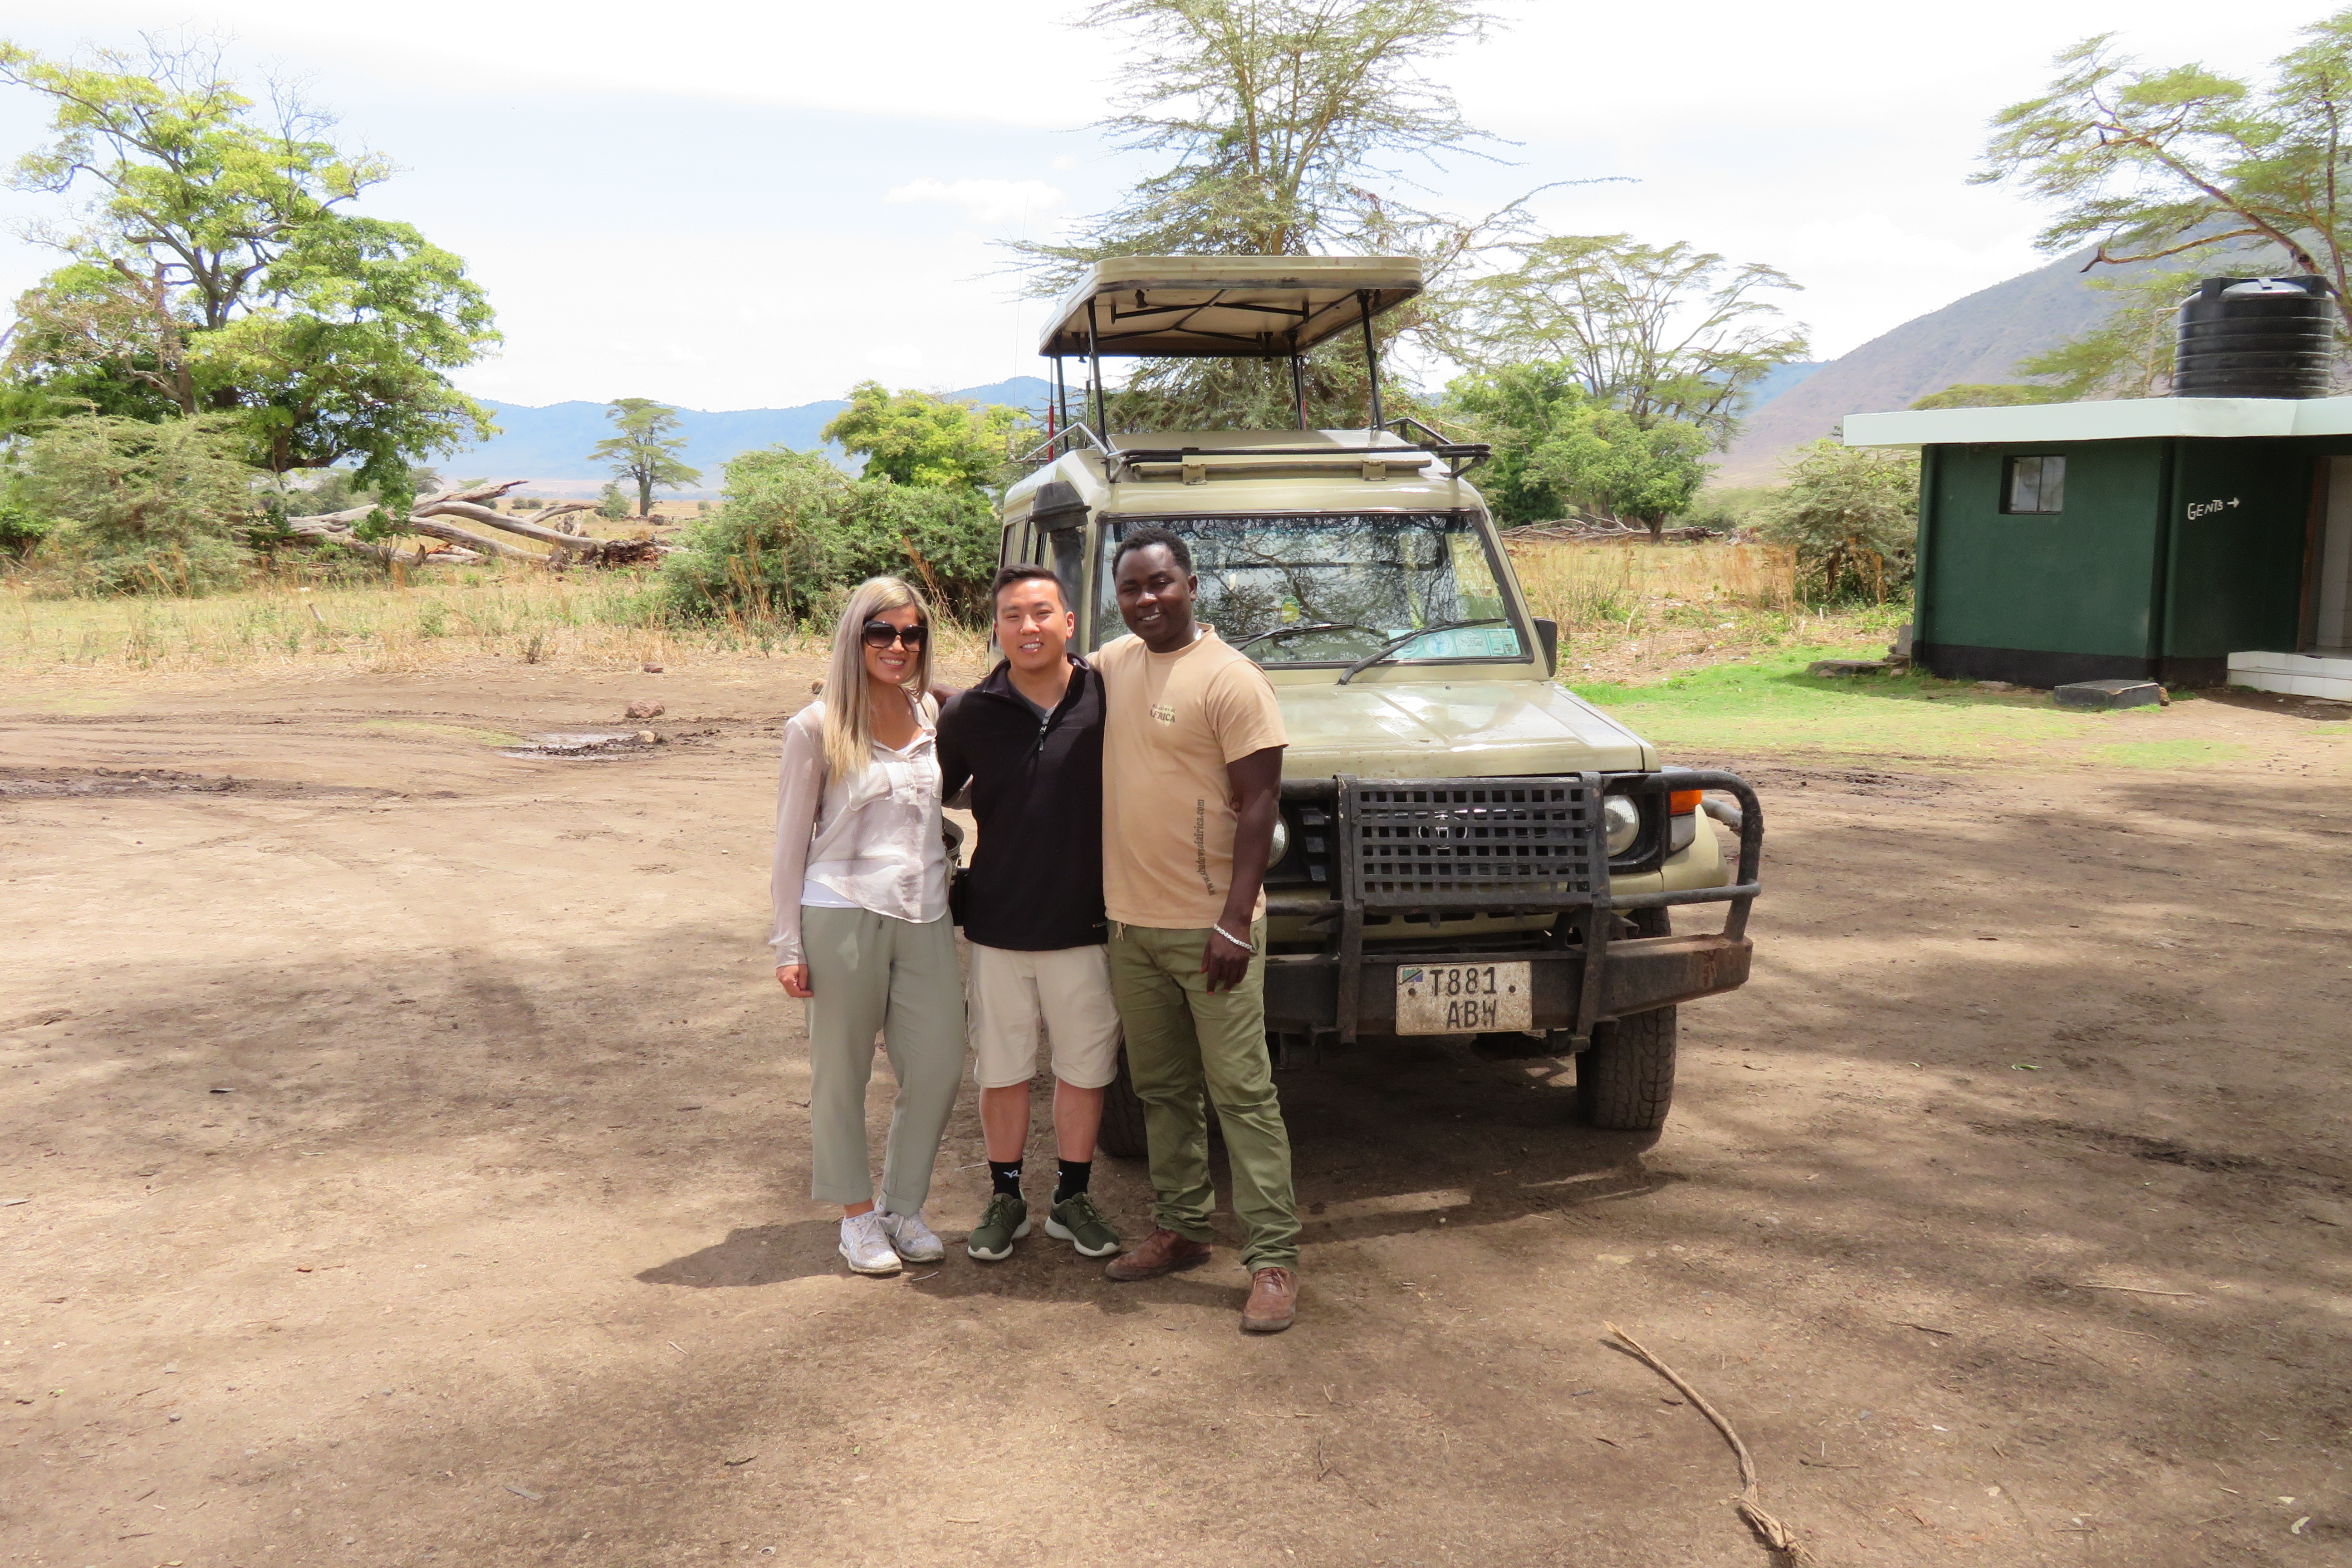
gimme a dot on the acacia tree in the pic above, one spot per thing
(2145, 163)
(1602, 457)
(212, 270)
(1665, 333)
(914, 438)
(1289, 127)
(643, 450)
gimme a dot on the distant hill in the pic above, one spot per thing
(1977, 338)
(549, 446)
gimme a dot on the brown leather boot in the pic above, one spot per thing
(1162, 1252)
(1273, 1301)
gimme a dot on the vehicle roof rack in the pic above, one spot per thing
(1224, 307)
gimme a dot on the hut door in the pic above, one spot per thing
(2332, 628)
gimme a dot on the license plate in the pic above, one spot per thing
(1463, 998)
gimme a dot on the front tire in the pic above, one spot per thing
(1121, 1135)
(1625, 1077)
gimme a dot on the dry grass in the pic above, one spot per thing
(1634, 613)
(1628, 613)
(582, 619)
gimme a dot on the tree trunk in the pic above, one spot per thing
(1658, 521)
(424, 516)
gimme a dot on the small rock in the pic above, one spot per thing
(653, 669)
(1847, 666)
(173, 1417)
(1996, 685)
(645, 710)
(647, 737)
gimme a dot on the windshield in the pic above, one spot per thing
(1333, 588)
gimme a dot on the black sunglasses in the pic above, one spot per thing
(882, 634)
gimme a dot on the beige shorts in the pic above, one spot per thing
(1010, 994)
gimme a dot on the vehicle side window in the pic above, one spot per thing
(1108, 624)
(1069, 560)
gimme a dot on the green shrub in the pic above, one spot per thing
(1852, 514)
(790, 528)
(21, 528)
(141, 508)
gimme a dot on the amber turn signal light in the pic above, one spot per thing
(1683, 801)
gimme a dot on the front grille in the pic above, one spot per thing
(1474, 844)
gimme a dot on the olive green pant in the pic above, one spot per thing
(870, 973)
(1189, 1047)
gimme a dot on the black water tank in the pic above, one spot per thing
(2255, 337)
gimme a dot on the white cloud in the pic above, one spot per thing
(987, 201)
(894, 357)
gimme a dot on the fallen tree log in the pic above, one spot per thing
(427, 516)
(336, 528)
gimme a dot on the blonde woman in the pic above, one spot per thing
(862, 927)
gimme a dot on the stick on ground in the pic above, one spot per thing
(1772, 1532)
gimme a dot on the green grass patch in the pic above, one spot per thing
(2169, 753)
(1772, 705)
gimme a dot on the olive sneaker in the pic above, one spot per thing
(1005, 1221)
(1077, 1221)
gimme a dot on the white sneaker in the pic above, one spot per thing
(866, 1244)
(913, 1238)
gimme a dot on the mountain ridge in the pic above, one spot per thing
(1977, 338)
(549, 442)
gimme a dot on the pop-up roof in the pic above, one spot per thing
(1203, 307)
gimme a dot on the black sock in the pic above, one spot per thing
(1076, 1174)
(1004, 1175)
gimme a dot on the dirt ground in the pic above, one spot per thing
(404, 1162)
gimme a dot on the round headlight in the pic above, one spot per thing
(1625, 820)
(1281, 846)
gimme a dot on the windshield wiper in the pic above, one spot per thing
(1303, 630)
(1407, 640)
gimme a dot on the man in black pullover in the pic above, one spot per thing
(1029, 741)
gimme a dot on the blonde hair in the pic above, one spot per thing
(848, 730)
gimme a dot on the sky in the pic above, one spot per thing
(728, 206)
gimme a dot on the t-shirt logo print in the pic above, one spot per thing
(1164, 712)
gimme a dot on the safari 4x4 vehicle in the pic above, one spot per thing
(1466, 847)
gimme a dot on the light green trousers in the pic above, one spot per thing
(869, 974)
(1189, 1047)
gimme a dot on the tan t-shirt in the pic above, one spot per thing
(1170, 723)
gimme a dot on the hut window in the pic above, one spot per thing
(2034, 486)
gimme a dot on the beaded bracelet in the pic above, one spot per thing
(1229, 937)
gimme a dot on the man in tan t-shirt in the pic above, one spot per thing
(1193, 743)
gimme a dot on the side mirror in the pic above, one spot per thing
(1547, 634)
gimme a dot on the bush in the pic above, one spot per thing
(21, 528)
(791, 528)
(140, 507)
(1852, 514)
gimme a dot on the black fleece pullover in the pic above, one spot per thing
(1035, 881)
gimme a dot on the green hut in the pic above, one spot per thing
(2188, 540)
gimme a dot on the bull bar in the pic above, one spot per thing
(1513, 847)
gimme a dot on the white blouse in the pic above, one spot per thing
(872, 842)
